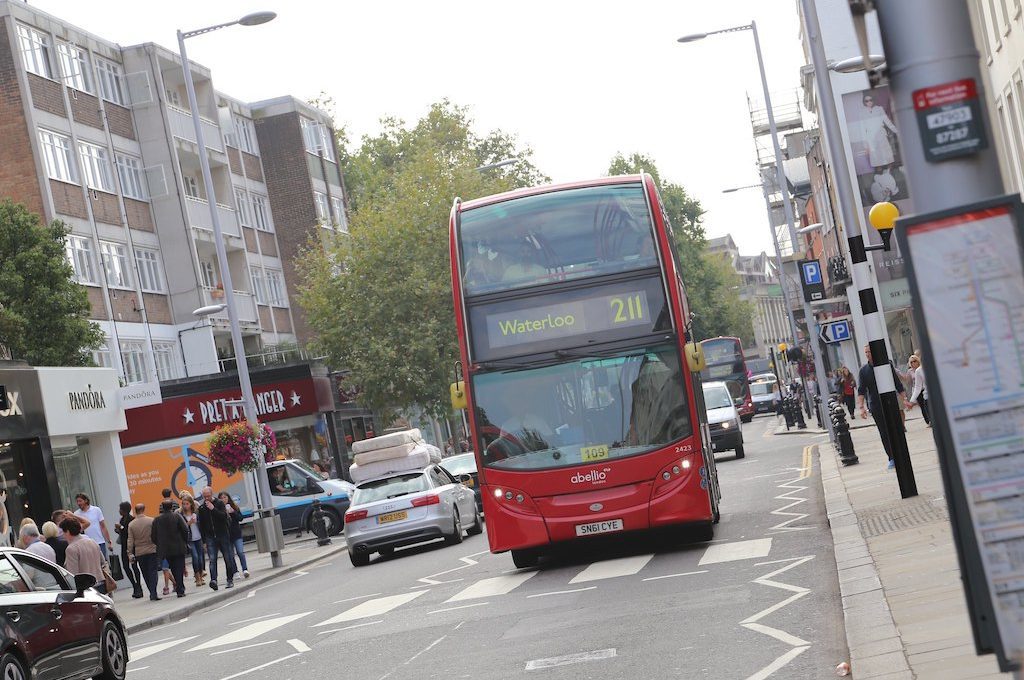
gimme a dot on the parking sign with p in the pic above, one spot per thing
(811, 278)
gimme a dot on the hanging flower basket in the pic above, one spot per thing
(236, 447)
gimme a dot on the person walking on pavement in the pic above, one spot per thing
(35, 545)
(920, 393)
(235, 529)
(867, 395)
(142, 549)
(216, 532)
(131, 568)
(195, 539)
(83, 556)
(171, 536)
(52, 535)
(848, 390)
(96, 529)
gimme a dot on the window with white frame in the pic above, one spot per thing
(116, 265)
(101, 355)
(208, 273)
(191, 186)
(275, 288)
(133, 356)
(151, 275)
(339, 214)
(82, 259)
(261, 213)
(74, 65)
(173, 98)
(259, 285)
(317, 138)
(109, 81)
(323, 213)
(245, 134)
(166, 356)
(242, 208)
(57, 156)
(133, 181)
(35, 51)
(96, 167)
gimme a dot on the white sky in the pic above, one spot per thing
(577, 81)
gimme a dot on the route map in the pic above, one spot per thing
(971, 288)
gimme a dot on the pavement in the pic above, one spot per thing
(143, 613)
(903, 602)
(761, 600)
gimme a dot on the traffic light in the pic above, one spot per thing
(794, 354)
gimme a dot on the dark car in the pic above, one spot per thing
(53, 625)
(465, 464)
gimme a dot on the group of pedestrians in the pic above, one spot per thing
(203, 529)
(75, 540)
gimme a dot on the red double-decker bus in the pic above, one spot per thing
(579, 382)
(725, 362)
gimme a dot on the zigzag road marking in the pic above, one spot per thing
(799, 645)
(797, 500)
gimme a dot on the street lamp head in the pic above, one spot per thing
(856, 64)
(883, 218)
(809, 228)
(257, 18)
(693, 37)
(208, 310)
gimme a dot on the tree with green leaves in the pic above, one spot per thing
(712, 285)
(380, 300)
(44, 314)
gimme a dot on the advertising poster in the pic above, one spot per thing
(878, 163)
(182, 467)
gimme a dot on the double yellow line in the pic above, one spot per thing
(807, 467)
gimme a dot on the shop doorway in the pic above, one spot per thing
(24, 486)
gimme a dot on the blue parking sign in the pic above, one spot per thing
(812, 272)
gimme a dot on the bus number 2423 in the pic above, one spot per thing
(628, 309)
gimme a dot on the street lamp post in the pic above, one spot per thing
(780, 178)
(264, 506)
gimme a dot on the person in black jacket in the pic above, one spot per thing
(130, 567)
(170, 534)
(216, 532)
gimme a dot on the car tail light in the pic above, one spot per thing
(355, 515)
(430, 499)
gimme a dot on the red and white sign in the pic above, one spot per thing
(947, 93)
(201, 413)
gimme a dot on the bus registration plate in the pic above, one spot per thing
(605, 527)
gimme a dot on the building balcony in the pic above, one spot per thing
(183, 128)
(245, 303)
(200, 218)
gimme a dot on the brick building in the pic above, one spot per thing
(100, 136)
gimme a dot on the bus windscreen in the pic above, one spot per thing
(556, 236)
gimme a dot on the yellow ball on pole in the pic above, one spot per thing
(883, 215)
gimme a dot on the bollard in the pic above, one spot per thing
(844, 442)
(817, 411)
(320, 524)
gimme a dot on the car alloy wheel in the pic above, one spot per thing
(114, 657)
(12, 669)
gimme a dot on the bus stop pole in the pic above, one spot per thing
(780, 178)
(874, 323)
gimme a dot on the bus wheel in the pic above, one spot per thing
(524, 559)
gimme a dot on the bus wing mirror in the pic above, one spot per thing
(695, 357)
(458, 394)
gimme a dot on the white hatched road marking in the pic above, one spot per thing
(235, 649)
(467, 561)
(375, 607)
(255, 618)
(489, 587)
(246, 633)
(685, 573)
(622, 566)
(461, 606)
(358, 597)
(150, 650)
(737, 550)
(355, 625)
(551, 662)
(298, 645)
(562, 592)
(260, 667)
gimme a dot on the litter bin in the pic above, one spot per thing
(269, 536)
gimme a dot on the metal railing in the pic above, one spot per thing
(199, 216)
(245, 302)
(272, 357)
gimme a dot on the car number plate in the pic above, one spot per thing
(605, 527)
(392, 517)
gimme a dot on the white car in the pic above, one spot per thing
(723, 418)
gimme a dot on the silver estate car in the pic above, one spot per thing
(403, 508)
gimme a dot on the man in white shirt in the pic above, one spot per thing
(97, 529)
(35, 545)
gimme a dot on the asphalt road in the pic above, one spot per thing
(760, 601)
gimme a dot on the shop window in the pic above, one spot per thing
(73, 473)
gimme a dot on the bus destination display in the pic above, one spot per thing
(585, 316)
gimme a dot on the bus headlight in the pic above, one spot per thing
(726, 425)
